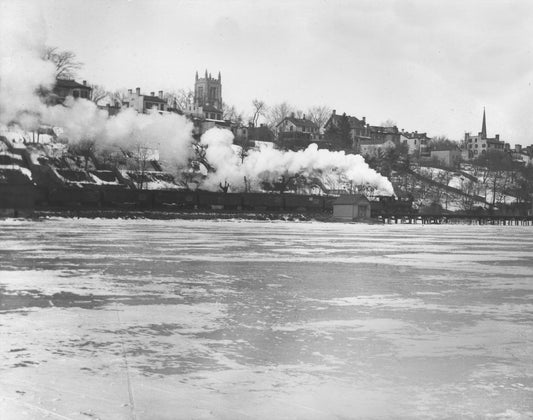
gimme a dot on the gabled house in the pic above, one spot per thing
(381, 134)
(291, 125)
(296, 133)
(356, 129)
(66, 87)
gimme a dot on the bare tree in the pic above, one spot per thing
(119, 96)
(98, 93)
(181, 98)
(224, 187)
(442, 143)
(84, 148)
(230, 113)
(260, 109)
(66, 62)
(278, 112)
(319, 115)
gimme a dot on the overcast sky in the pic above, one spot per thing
(427, 65)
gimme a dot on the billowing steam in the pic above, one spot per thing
(22, 70)
(334, 170)
(170, 134)
(23, 73)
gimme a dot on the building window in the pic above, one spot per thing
(84, 95)
(476, 146)
(76, 93)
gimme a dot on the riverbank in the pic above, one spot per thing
(183, 215)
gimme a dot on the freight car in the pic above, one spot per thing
(296, 202)
(390, 206)
(125, 198)
(74, 197)
(262, 201)
(219, 200)
(175, 199)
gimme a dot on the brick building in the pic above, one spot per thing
(477, 145)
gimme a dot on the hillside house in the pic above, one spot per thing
(373, 148)
(142, 103)
(66, 87)
(358, 129)
(297, 132)
(380, 134)
(417, 143)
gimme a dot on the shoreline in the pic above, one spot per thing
(183, 215)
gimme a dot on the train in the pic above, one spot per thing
(176, 200)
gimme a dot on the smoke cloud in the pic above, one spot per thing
(335, 170)
(23, 73)
(82, 120)
(22, 70)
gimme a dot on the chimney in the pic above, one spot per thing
(292, 114)
(138, 91)
(364, 120)
(130, 91)
(160, 94)
(85, 83)
(152, 93)
(334, 112)
(497, 137)
(303, 117)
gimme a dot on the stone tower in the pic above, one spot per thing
(208, 91)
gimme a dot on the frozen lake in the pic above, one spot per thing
(111, 319)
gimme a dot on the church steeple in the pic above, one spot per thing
(484, 126)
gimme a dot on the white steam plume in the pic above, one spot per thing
(22, 70)
(269, 164)
(83, 120)
(23, 73)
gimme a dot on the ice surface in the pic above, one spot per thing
(121, 319)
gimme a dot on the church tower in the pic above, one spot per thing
(484, 126)
(208, 91)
